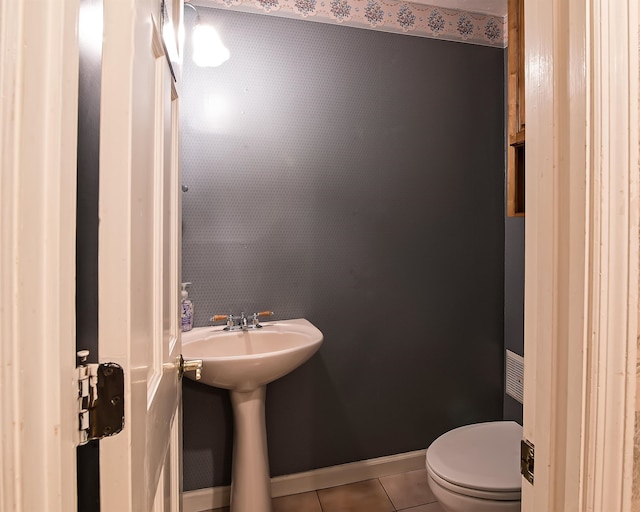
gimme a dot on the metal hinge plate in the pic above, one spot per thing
(527, 458)
(100, 399)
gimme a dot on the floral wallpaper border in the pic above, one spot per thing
(387, 15)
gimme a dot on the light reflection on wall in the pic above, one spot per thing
(215, 116)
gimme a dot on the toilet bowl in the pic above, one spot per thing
(476, 468)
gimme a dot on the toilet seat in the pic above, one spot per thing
(480, 460)
(474, 493)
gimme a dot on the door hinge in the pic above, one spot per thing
(527, 458)
(100, 399)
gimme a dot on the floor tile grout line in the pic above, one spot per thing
(379, 480)
(388, 497)
(319, 502)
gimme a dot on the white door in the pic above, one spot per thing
(581, 277)
(139, 255)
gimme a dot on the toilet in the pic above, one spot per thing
(476, 468)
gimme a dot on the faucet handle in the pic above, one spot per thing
(255, 316)
(228, 318)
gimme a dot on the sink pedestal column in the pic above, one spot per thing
(250, 481)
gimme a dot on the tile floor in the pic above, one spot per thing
(408, 492)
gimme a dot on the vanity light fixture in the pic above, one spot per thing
(208, 49)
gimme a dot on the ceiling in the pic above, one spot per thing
(493, 7)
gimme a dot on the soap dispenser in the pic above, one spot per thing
(187, 310)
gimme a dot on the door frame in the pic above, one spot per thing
(38, 142)
(581, 252)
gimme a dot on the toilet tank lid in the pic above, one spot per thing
(483, 456)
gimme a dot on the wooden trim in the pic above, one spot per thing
(518, 138)
(515, 63)
(38, 143)
(516, 108)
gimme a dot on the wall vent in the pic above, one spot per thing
(514, 375)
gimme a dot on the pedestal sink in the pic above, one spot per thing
(244, 362)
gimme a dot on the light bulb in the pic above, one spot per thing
(208, 50)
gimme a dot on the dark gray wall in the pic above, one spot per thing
(513, 289)
(88, 172)
(354, 178)
(514, 301)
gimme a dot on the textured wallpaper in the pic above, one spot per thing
(354, 178)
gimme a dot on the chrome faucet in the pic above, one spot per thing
(241, 322)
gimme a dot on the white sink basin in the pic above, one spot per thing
(246, 360)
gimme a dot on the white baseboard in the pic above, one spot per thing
(216, 497)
